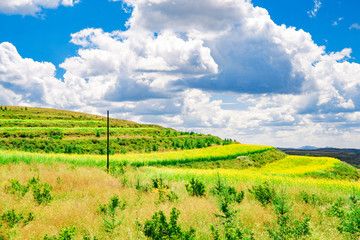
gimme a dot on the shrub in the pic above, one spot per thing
(158, 228)
(195, 188)
(227, 196)
(159, 183)
(110, 212)
(29, 218)
(98, 134)
(309, 198)
(355, 197)
(11, 218)
(221, 189)
(16, 188)
(264, 193)
(336, 210)
(41, 193)
(287, 227)
(350, 222)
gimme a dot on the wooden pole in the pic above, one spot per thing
(107, 162)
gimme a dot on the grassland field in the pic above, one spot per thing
(54, 184)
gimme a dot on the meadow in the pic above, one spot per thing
(219, 190)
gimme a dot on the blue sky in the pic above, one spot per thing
(284, 74)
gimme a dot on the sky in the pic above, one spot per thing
(281, 73)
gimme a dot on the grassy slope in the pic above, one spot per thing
(58, 131)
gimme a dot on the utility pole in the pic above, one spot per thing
(107, 162)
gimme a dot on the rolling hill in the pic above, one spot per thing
(57, 131)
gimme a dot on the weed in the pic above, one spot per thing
(264, 193)
(195, 188)
(158, 228)
(58, 180)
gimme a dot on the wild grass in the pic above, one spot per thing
(79, 191)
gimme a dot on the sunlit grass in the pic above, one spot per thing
(299, 165)
(155, 158)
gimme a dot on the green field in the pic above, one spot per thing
(54, 184)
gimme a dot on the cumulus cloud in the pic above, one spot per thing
(176, 56)
(136, 68)
(31, 7)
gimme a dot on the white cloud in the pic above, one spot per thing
(336, 22)
(355, 26)
(31, 7)
(313, 12)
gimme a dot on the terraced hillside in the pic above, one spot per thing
(57, 131)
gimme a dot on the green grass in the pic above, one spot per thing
(56, 131)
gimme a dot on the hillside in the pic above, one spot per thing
(58, 131)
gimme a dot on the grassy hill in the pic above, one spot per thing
(162, 184)
(58, 131)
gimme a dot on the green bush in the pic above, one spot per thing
(11, 218)
(222, 189)
(195, 188)
(264, 193)
(350, 222)
(16, 188)
(336, 210)
(227, 196)
(309, 198)
(159, 183)
(158, 228)
(110, 212)
(286, 226)
(41, 193)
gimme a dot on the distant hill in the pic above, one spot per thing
(308, 147)
(351, 156)
(59, 131)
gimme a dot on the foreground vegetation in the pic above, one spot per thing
(170, 191)
(130, 203)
